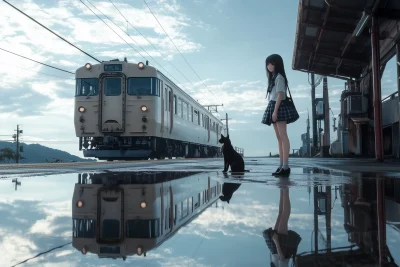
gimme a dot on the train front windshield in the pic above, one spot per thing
(142, 86)
(87, 86)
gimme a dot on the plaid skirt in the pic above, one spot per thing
(288, 243)
(285, 113)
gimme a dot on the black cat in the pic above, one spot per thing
(231, 156)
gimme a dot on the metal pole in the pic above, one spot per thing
(327, 130)
(376, 89)
(17, 154)
(314, 121)
(227, 128)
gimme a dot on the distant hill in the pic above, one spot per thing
(36, 153)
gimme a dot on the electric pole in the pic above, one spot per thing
(17, 137)
(227, 128)
(214, 108)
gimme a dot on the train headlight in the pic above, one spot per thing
(143, 108)
(81, 109)
(88, 66)
(143, 205)
(79, 203)
(140, 65)
(139, 250)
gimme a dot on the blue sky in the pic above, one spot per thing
(225, 41)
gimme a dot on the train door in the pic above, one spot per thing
(208, 128)
(166, 110)
(162, 107)
(110, 214)
(112, 104)
(171, 109)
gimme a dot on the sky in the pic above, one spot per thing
(224, 41)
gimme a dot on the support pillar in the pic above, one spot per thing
(327, 130)
(376, 89)
(314, 115)
(397, 153)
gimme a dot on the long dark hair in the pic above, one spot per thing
(277, 61)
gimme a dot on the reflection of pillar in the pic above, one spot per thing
(359, 141)
(315, 220)
(328, 217)
(380, 207)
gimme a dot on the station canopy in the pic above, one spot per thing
(333, 36)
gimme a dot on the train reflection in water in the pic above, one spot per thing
(122, 214)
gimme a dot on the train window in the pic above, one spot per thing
(196, 116)
(179, 107)
(176, 105)
(185, 110)
(165, 99)
(214, 129)
(144, 86)
(170, 99)
(191, 114)
(87, 87)
(143, 228)
(112, 86)
(83, 228)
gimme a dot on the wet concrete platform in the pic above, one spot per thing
(194, 215)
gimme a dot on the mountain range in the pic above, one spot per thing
(35, 153)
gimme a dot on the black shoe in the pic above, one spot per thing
(276, 172)
(283, 172)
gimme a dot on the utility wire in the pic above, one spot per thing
(123, 38)
(62, 38)
(37, 61)
(150, 43)
(178, 49)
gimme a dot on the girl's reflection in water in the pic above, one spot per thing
(282, 242)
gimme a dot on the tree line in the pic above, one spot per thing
(7, 154)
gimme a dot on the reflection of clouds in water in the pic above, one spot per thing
(29, 227)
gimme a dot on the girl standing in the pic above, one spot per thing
(280, 110)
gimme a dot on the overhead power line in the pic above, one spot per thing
(177, 48)
(123, 38)
(37, 61)
(62, 38)
(150, 43)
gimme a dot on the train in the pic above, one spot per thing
(116, 215)
(126, 111)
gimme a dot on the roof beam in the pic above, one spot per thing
(390, 14)
(331, 73)
(320, 36)
(336, 55)
(331, 26)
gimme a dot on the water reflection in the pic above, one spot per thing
(229, 188)
(281, 241)
(116, 215)
(364, 222)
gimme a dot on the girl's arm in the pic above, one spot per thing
(280, 90)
